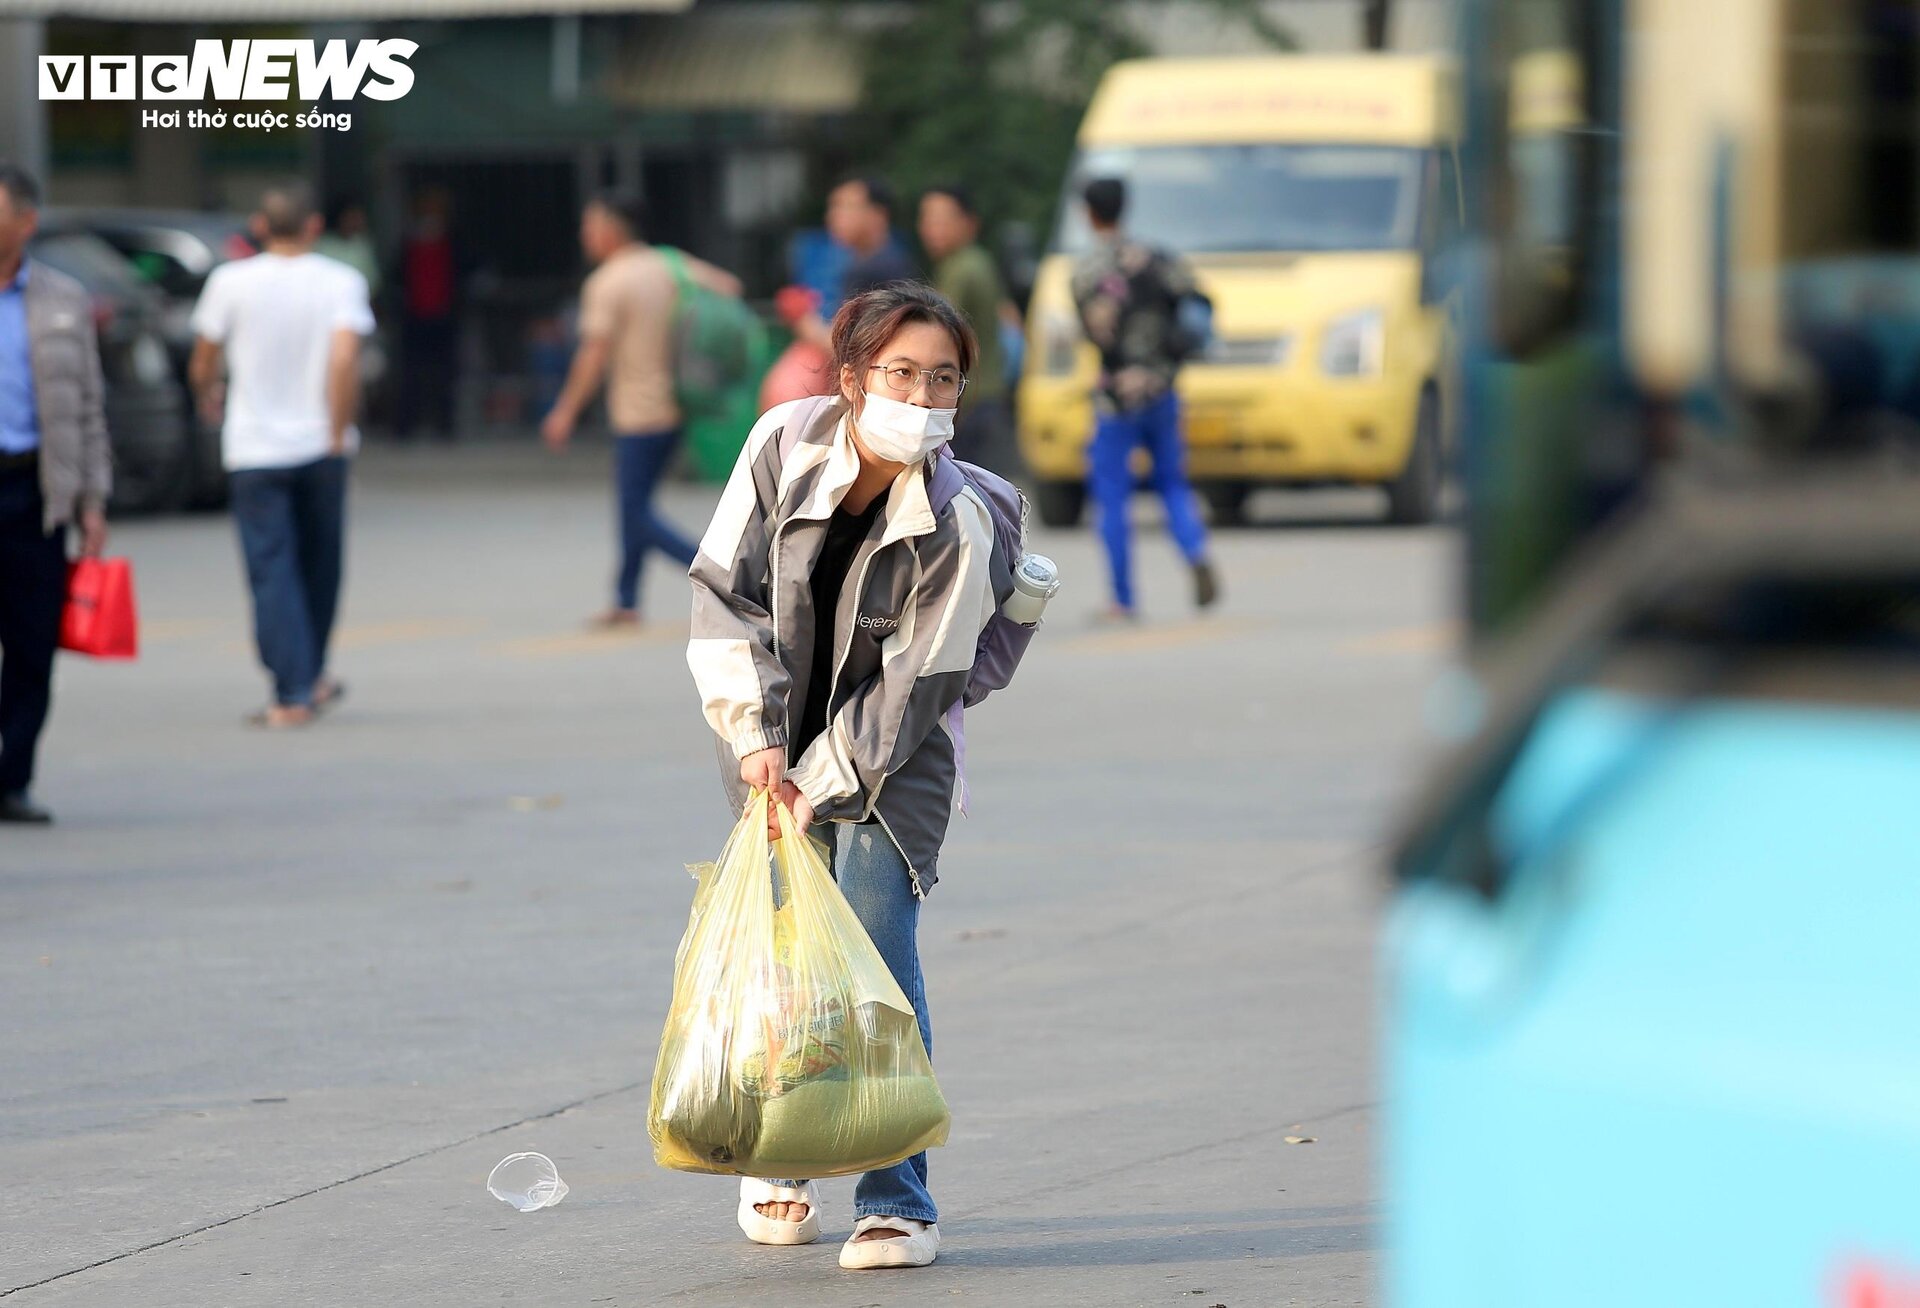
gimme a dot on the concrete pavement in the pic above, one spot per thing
(276, 1003)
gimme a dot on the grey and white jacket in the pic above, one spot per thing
(919, 591)
(76, 462)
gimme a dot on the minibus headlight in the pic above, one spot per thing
(1355, 345)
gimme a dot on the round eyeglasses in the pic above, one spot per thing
(943, 384)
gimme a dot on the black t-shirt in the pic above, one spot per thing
(886, 264)
(845, 531)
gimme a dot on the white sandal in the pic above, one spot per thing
(917, 1248)
(762, 1229)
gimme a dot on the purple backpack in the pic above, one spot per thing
(1003, 642)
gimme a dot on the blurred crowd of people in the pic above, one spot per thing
(859, 218)
(628, 343)
(276, 368)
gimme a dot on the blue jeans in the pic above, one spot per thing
(292, 526)
(1115, 437)
(639, 460)
(874, 878)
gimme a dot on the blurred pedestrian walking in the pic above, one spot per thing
(860, 217)
(966, 275)
(431, 271)
(349, 238)
(55, 469)
(286, 325)
(627, 339)
(1130, 297)
(860, 222)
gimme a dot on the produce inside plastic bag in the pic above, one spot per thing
(789, 1051)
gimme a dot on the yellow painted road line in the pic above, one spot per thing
(573, 643)
(1433, 638)
(169, 631)
(1121, 640)
(405, 632)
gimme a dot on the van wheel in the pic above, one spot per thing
(1061, 502)
(1413, 498)
(1227, 501)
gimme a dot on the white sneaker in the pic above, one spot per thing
(762, 1229)
(917, 1248)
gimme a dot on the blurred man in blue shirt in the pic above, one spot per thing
(860, 217)
(19, 415)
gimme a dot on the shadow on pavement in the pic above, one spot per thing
(1271, 1234)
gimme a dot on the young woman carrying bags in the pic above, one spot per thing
(835, 619)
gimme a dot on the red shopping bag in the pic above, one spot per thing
(100, 618)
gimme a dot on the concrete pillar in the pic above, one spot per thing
(1375, 18)
(167, 172)
(23, 119)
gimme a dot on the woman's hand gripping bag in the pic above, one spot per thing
(789, 1049)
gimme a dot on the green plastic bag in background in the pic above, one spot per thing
(721, 351)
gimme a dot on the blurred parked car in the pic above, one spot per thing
(173, 251)
(146, 405)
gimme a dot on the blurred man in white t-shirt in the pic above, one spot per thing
(286, 326)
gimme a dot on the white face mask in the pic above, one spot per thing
(900, 432)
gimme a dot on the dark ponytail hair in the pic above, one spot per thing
(869, 320)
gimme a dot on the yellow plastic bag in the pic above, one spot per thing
(789, 1051)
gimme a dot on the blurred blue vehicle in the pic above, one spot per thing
(1650, 972)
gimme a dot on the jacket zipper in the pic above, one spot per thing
(913, 873)
(773, 599)
(859, 587)
(873, 800)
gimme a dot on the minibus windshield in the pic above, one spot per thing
(1201, 199)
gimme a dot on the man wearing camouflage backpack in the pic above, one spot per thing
(1134, 301)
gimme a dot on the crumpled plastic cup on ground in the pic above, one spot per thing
(527, 1181)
